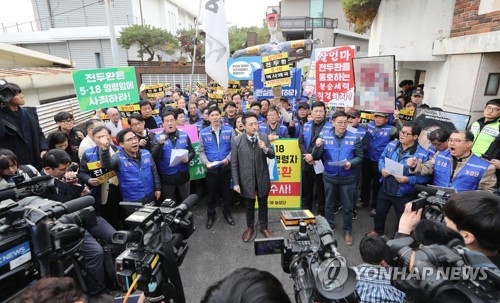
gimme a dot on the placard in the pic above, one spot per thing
(290, 91)
(276, 69)
(375, 84)
(105, 87)
(430, 120)
(334, 77)
(286, 190)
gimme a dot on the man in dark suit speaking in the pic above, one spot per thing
(250, 173)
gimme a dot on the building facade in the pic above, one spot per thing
(319, 19)
(452, 47)
(77, 29)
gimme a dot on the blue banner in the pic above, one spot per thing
(292, 91)
(242, 68)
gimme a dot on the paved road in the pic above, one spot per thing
(215, 253)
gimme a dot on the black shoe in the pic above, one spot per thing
(210, 222)
(229, 219)
(354, 215)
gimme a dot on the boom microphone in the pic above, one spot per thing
(33, 181)
(8, 194)
(325, 234)
(186, 205)
(78, 203)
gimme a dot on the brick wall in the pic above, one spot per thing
(466, 21)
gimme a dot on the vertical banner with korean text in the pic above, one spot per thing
(276, 69)
(105, 87)
(334, 76)
(285, 192)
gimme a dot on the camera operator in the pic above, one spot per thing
(134, 167)
(473, 214)
(9, 167)
(19, 127)
(52, 290)
(374, 285)
(56, 164)
(247, 285)
(458, 167)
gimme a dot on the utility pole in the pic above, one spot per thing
(194, 53)
(112, 35)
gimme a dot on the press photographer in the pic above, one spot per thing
(455, 262)
(56, 163)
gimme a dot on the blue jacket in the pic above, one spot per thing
(339, 149)
(164, 161)
(378, 140)
(136, 181)
(307, 133)
(212, 151)
(281, 130)
(390, 185)
(467, 178)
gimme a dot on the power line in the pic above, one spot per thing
(71, 10)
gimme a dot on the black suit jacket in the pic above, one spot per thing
(12, 138)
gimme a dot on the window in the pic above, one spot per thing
(316, 9)
(492, 84)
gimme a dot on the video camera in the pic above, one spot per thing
(432, 200)
(156, 246)
(319, 272)
(35, 235)
(442, 273)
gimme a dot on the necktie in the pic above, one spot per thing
(253, 142)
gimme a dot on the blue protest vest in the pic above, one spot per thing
(378, 140)
(136, 181)
(307, 131)
(264, 127)
(214, 152)
(467, 178)
(392, 151)
(168, 145)
(338, 150)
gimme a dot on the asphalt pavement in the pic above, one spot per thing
(215, 253)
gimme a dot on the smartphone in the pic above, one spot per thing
(269, 246)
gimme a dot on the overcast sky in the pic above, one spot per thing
(238, 12)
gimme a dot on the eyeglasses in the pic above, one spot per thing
(492, 109)
(131, 139)
(136, 124)
(436, 143)
(456, 140)
(404, 134)
(342, 122)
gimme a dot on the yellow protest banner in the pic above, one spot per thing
(276, 69)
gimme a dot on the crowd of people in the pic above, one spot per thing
(122, 159)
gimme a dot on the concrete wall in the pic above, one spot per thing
(409, 28)
(490, 63)
(460, 88)
(294, 8)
